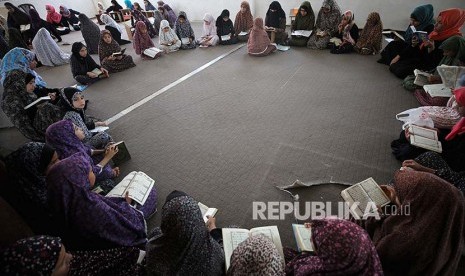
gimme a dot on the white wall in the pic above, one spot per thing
(394, 13)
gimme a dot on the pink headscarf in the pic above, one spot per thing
(141, 41)
(258, 38)
(52, 15)
(459, 127)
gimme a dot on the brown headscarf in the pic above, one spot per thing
(258, 40)
(105, 49)
(371, 36)
(428, 241)
(244, 21)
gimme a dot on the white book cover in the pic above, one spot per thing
(225, 37)
(207, 211)
(302, 33)
(185, 41)
(137, 184)
(45, 98)
(438, 90)
(99, 129)
(243, 33)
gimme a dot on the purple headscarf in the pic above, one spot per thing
(88, 220)
(343, 248)
(171, 16)
(138, 16)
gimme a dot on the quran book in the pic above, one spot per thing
(302, 33)
(99, 129)
(45, 98)
(303, 237)
(424, 138)
(98, 72)
(363, 193)
(207, 211)
(137, 184)
(117, 54)
(185, 41)
(152, 52)
(225, 37)
(438, 90)
(243, 33)
(232, 237)
(421, 78)
(394, 35)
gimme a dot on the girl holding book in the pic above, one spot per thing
(225, 29)
(185, 32)
(83, 66)
(107, 48)
(244, 21)
(275, 23)
(304, 20)
(169, 41)
(142, 40)
(209, 36)
(326, 24)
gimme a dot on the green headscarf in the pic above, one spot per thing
(305, 22)
(455, 44)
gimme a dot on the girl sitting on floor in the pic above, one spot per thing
(185, 32)
(107, 48)
(169, 41)
(142, 40)
(83, 65)
(209, 36)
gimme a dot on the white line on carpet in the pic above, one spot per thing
(169, 86)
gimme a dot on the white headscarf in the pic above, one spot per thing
(47, 51)
(168, 36)
(209, 29)
(107, 20)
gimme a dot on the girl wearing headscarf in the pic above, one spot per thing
(341, 248)
(137, 6)
(37, 23)
(16, 39)
(20, 59)
(87, 220)
(128, 4)
(403, 245)
(101, 8)
(82, 65)
(73, 103)
(371, 38)
(170, 15)
(326, 25)
(259, 43)
(275, 23)
(46, 255)
(69, 17)
(243, 21)
(115, 7)
(304, 20)
(18, 93)
(209, 36)
(91, 33)
(169, 41)
(256, 255)
(53, 17)
(185, 32)
(3, 27)
(16, 17)
(184, 246)
(225, 28)
(422, 18)
(142, 40)
(157, 18)
(114, 29)
(348, 34)
(27, 191)
(106, 48)
(160, 3)
(47, 51)
(149, 6)
(138, 16)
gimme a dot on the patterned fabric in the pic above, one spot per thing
(138, 16)
(342, 248)
(371, 37)
(64, 11)
(258, 40)
(91, 33)
(184, 30)
(185, 247)
(256, 256)
(88, 220)
(128, 4)
(31, 256)
(47, 51)
(452, 21)
(444, 117)
(19, 59)
(166, 37)
(423, 14)
(326, 22)
(346, 26)
(107, 20)
(170, 15)
(105, 50)
(142, 39)
(459, 128)
(243, 21)
(455, 44)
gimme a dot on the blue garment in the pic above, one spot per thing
(425, 15)
(128, 4)
(19, 59)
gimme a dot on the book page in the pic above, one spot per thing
(185, 41)
(140, 187)
(270, 232)
(302, 33)
(424, 132)
(303, 237)
(356, 194)
(232, 237)
(97, 71)
(120, 189)
(225, 37)
(438, 90)
(426, 143)
(206, 211)
(374, 192)
(45, 98)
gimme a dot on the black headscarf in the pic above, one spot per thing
(272, 18)
(36, 21)
(16, 39)
(224, 27)
(17, 17)
(77, 46)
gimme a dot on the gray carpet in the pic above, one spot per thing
(231, 133)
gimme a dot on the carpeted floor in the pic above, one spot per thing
(231, 133)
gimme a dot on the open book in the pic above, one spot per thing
(421, 77)
(302, 33)
(336, 41)
(137, 184)
(421, 35)
(80, 87)
(99, 129)
(45, 98)
(424, 138)
(243, 33)
(152, 52)
(450, 75)
(98, 72)
(438, 90)
(62, 29)
(207, 211)
(117, 54)
(23, 28)
(232, 237)
(393, 34)
(225, 37)
(363, 193)
(185, 41)
(303, 237)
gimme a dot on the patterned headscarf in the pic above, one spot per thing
(62, 138)
(107, 49)
(209, 30)
(185, 247)
(459, 128)
(452, 21)
(107, 20)
(31, 256)
(91, 33)
(371, 35)
(158, 17)
(342, 248)
(19, 59)
(47, 51)
(328, 21)
(149, 6)
(138, 16)
(52, 15)
(258, 38)
(184, 29)
(455, 44)
(166, 37)
(423, 14)
(256, 256)
(142, 41)
(244, 21)
(64, 11)
(348, 16)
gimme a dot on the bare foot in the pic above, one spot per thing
(116, 171)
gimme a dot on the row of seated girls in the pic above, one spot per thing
(72, 230)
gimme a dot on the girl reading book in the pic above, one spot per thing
(169, 41)
(107, 48)
(83, 67)
(185, 32)
(209, 36)
(142, 40)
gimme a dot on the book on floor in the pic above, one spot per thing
(99, 129)
(225, 37)
(421, 77)
(363, 193)
(232, 237)
(152, 52)
(207, 211)
(122, 156)
(41, 99)
(117, 54)
(303, 237)
(137, 184)
(302, 33)
(243, 33)
(438, 90)
(424, 138)
(185, 41)
(451, 75)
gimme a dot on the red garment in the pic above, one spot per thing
(52, 15)
(243, 19)
(452, 21)
(459, 128)
(142, 41)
